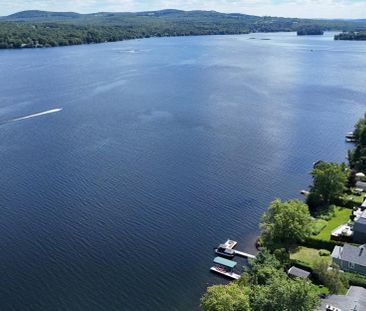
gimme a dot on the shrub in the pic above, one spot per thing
(324, 252)
(317, 226)
(356, 279)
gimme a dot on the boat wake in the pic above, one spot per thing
(34, 115)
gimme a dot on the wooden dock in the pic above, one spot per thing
(230, 275)
(242, 254)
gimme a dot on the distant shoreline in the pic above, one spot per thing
(42, 29)
(156, 37)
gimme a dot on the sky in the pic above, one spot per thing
(285, 8)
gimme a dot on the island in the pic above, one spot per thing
(351, 35)
(310, 32)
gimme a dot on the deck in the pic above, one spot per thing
(230, 275)
(230, 244)
(242, 254)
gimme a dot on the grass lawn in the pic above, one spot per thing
(308, 255)
(341, 217)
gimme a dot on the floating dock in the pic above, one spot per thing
(231, 244)
(230, 275)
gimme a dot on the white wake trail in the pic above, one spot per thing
(37, 114)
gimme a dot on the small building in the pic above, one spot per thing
(295, 272)
(350, 258)
(355, 299)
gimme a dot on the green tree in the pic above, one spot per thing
(332, 278)
(284, 294)
(230, 297)
(351, 180)
(285, 224)
(329, 180)
(357, 156)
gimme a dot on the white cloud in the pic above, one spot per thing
(287, 8)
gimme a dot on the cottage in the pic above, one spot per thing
(295, 272)
(354, 300)
(350, 258)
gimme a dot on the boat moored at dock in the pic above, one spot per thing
(223, 251)
(225, 267)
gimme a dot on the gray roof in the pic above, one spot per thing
(354, 300)
(360, 223)
(361, 184)
(350, 253)
(363, 203)
(294, 271)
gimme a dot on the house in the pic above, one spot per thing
(359, 228)
(350, 258)
(355, 299)
(295, 272)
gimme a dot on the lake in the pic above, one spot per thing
(124, 164)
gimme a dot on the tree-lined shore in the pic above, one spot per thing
(36, 29)
(296, 233)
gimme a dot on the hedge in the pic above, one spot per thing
(356, 279)
(321, 244)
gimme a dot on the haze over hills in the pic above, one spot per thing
(45, 29)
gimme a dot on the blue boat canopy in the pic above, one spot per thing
(225, 262)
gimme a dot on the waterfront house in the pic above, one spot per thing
(359, 227)
(350, 258)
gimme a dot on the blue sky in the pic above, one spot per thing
(287, 8)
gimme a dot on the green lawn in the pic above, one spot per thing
(308, 255)
(341, 217)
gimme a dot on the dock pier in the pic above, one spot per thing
(242, 254)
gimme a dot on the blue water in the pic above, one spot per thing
(164, 148)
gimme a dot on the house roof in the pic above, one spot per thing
(363, 203)
(350, 253)
(360, 223)
(354, 300)
(294, 271)
(361, 184)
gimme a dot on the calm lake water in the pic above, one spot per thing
(163, 149)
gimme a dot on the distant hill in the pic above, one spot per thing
(46, 29)
(41, 14)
